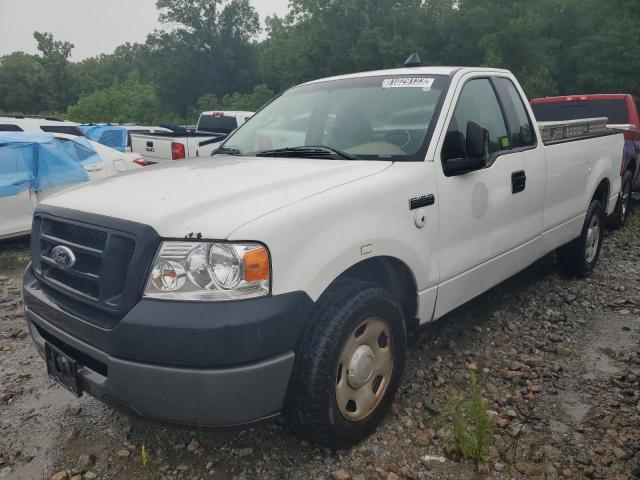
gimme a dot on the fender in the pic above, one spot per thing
(312, 242)
(606, 165)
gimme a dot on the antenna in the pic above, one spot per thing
(413, 60)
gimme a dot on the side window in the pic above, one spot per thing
(520, 126)
(66, 129)
(477, 102)
(7, 127)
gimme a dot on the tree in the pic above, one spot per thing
(20, 91)
(208, 51)
(251, 102)
(54, 75)
(128, 101)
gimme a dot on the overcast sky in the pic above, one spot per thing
(93, 26)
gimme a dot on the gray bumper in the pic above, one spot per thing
(200, 396)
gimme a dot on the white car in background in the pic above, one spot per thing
(37, 123)
(16, 210)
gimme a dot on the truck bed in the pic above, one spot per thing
(158, 147)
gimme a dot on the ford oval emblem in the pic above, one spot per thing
(63, 256)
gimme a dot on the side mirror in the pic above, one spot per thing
(477, 141)
(462, 155)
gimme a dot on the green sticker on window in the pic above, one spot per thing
(505, 142)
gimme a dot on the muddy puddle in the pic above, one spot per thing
(613, 333)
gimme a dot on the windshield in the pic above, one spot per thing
(377, 118)
(217, 123)
(614, 110)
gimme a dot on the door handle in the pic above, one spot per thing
(518, 181)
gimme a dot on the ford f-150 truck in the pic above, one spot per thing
(283, 277)
(212, 129)
(623, 112)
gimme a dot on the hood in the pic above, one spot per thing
(211, 196)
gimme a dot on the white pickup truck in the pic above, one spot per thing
(284, 278)
(212, 129)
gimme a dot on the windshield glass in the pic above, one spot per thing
(381, 117)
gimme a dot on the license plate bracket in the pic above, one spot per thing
(63, 369)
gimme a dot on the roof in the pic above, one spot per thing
(449, 71)
(33, 120)
(42, 117)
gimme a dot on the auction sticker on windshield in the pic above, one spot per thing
(408, 82)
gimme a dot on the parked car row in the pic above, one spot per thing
(285, 274)
(35, 165)
(22, 137)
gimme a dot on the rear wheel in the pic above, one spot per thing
(580, 256)
(623, 207)
(349, 366)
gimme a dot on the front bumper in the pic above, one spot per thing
(210, 364)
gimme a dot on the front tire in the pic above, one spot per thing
(349, 365)
(579, 257)
(623, 206)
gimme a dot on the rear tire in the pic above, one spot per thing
(349, 365)
(623, 207)
(579, 257)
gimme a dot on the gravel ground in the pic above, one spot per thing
(558, 361)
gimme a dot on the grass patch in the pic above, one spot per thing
(630, 233)
(470, 424)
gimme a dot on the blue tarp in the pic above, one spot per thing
(112, 136)
(41, 161)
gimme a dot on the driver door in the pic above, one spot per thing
(478, 228)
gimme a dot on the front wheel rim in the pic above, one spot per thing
(364, 369)
(593, 239)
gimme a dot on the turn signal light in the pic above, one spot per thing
(256, 265)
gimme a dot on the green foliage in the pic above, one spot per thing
(251, 102)
(211, 53)
(471, 427)
(20, 76)
(54, 77)
(128, 101)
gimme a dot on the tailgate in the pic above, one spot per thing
(155, 148)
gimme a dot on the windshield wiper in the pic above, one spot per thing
(310, 151)
(226, 151)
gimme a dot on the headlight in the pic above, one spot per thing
(209, 271)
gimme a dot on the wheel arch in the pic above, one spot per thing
(393, 275)
(601, 193)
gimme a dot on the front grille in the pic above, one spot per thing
(102, 259)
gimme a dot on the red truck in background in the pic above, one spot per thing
(623, 112)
